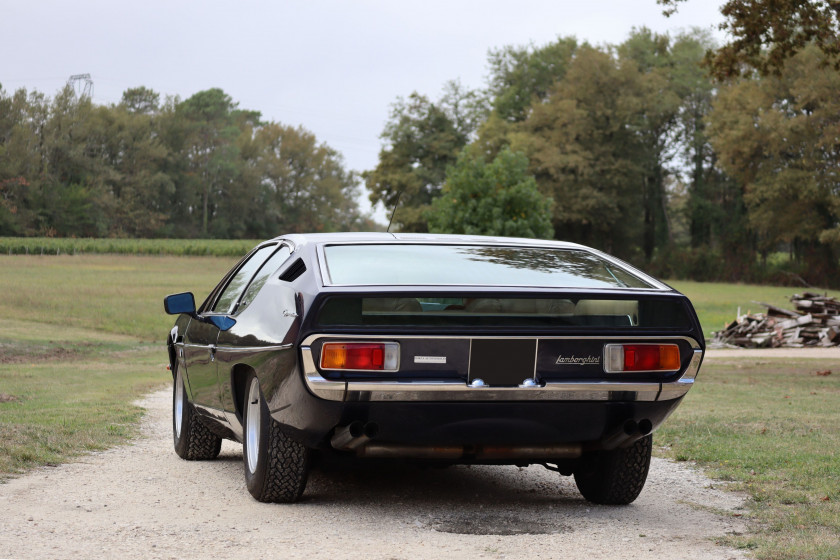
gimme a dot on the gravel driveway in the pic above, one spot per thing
(142, 501)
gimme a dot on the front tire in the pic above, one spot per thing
(276, 466)
(615, 477)
(193, 440)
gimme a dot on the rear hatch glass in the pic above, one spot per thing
(470, 265)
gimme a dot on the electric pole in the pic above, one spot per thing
(82, 85)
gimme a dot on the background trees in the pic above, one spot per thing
(686, 158)
(201, 167)
(778, 137)
(421, 140)
(643, 152)
(496, 198)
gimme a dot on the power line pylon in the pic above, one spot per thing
(82, 85)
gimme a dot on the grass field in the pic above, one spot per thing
(44, 246)
(717, 304)
(771, 427)
(82, 338)
(113, 293)
(66, 391)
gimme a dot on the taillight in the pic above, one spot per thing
(365, 356)
(641, 357)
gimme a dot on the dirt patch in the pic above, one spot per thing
(809, 353)
(471, 523)
(28, 354)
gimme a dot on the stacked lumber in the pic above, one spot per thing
(815, 322)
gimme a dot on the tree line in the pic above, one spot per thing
(636, 149)
(146, 167)
(688, 159)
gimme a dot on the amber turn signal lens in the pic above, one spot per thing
(641, 357)
(377, 356)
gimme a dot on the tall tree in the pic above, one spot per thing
(778, 137)
(654, 123)
(766, 33)
(519, 76)
(209, 146)
(306, 185)
(422, 138)
(598, 144)
(22, 117)
(496, 198)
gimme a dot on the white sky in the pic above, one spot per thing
(332, 66)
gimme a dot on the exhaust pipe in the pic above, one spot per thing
(474, 452)
(354, 435)
(630, 431)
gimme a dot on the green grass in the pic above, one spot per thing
(771, 427)
(81, 339)
(717, 303)
(112, 293)
(66, 391)
(46, 246)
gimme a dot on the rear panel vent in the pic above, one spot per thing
(294, 271)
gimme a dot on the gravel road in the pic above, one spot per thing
(142, 501)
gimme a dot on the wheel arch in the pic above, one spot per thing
(173, 355)
(238, 378)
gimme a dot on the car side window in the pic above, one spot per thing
(230, 295)
(265, 271)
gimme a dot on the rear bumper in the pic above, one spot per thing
(450, 420)
(464, 428)
(458, 390)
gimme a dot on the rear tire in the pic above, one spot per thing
(615, 477)
(276, 466)
(193, 440)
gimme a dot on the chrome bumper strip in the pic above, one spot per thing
(680, 387)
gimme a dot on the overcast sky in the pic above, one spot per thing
(332, 66)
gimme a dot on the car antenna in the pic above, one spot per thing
(397, 203)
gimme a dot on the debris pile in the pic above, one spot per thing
(816, 322)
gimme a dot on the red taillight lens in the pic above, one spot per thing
(641, 357)
(376, 356)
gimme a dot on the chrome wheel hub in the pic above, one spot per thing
(178, 407)
(252, 426)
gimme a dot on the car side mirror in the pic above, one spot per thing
(185, 303)
(179, 303)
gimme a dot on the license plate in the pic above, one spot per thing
(502, 362)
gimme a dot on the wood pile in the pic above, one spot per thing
(815, 322)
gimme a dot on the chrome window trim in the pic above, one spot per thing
(456, 390)
(269, 348)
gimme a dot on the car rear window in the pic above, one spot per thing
(468, 265)
(552, 312)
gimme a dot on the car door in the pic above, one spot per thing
(232, 347)
(201, 337)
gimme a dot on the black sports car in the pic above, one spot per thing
(449, 349)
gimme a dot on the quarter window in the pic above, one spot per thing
(227, 301)
(265, 271)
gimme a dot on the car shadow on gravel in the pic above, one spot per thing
(460, 499)
(381, 482)
(473, 500)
